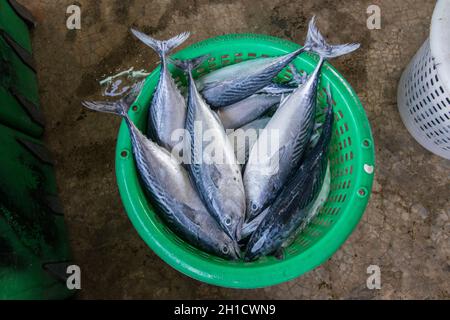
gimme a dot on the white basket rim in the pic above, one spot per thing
(440, 40)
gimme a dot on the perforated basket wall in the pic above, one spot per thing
(424, 103)
(352, 167)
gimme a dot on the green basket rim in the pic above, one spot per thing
(255, 274)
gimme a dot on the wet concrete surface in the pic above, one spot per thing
(405, 229)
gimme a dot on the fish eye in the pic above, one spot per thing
(228, 221)
(225, 249)
(254, 207)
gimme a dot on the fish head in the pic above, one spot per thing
(230, 249)
(254, 208)
(235, 216)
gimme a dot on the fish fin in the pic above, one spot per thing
(189, 64)
(329, 97)
(162, 47)
(298, 78)
(317, 126)
(313, 140)
(283, 98)
(251, 226)
(315, 42)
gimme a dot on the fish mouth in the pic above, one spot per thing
(238, 232)
(237, 251)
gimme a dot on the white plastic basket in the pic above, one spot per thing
(424, 90)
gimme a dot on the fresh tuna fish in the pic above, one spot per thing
(251, 226)
(245, 137)
(231, 84)
(253, 107)
(293, 203)
(167, 112)
(169, 185)
(213, 165)
(315, 208)
(268, 168)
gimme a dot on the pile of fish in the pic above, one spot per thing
(244, 201)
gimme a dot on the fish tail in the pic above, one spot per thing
(162, 47)
(189, 64)
(119, 108)
(315, 42)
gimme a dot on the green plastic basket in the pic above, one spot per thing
(351, 159)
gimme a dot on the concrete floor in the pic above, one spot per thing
(405, 229)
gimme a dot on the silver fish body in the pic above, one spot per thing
(251, 108)
(172, 192)
(167, 111)
(234, 83)
(171, 188)
(218, 180)
(314, 209)
(247, 110)
(294, 203)
(250, 227)
(293, 122)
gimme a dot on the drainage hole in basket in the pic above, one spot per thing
(362, 192)
(124, 154)
(135, 108)
(366, 143)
